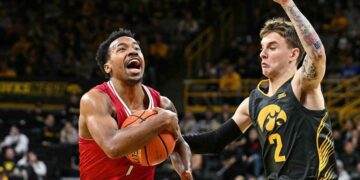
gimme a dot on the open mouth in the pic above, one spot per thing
(133, 64)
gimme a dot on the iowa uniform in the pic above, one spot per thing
(296, 142)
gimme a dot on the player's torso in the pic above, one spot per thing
(94, 164)
(292, 137)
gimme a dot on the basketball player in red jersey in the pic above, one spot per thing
(102, 144)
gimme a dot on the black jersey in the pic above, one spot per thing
(296, 142)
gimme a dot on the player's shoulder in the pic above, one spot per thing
(94, 97)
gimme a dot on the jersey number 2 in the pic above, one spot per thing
(276, 137)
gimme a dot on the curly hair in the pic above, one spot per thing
(102, 53)
(285, 29)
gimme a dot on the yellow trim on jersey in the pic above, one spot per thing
(325, 151)
(268, 81)
(260, 83)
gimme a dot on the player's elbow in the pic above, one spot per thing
(318, 55)
(113, 152)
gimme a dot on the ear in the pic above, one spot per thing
(107, 68)
(295, 52)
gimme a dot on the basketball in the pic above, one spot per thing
(157, 149)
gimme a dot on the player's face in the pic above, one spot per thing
(275, 55)
(126, 60)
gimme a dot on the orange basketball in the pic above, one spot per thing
(157, 149)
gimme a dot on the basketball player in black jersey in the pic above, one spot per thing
(288, 109)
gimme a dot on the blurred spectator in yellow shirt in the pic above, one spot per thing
(230, 80)
(6, 71)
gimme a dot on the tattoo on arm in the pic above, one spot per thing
(305, 30)
(308, 69)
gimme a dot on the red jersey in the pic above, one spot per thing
(94, 164)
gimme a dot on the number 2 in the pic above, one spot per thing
(276, 137)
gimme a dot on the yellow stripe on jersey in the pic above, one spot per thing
(325, 149)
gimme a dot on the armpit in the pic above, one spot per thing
(309, 71)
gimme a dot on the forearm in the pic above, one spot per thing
(306, 32)
(181, 157)
(214, 141)
(129, 139)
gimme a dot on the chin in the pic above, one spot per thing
(133, 81)
(266, 74)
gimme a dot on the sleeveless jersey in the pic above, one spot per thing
(296, 142)
(94, 164)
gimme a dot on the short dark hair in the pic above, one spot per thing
(102, 54)
(285, 29)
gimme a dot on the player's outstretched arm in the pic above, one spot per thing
(97, 122)
(313, 69)
(213, 142)
(181, 157)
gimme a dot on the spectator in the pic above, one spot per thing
(68, 134)
(35, 169)
(188, 26)
(36, 118)
(343, 175)
(49, 134)
(6, 71)
(8, 163)
(159, 52)
(208, 123)
(225, 114)
(350, 158)
(72, 109)
(350, 69)
(197, 165)
(356, 174)
(230, 82)
(188, 122)
(253, 149)
(16, 140)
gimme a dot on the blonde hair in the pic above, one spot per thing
(285, 29)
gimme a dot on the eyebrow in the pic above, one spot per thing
(270, 43)
(113, 45)
(124, 44)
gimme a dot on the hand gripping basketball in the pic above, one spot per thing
(157, 149)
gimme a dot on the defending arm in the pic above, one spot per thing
(214, 141)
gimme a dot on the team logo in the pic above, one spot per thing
(271, 117)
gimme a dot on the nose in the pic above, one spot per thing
(263, 54)
(133, 52)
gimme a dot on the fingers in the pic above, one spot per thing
(171, 121)
(186, 175)
(177, 133)
(157, 109)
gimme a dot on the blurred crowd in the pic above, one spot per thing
(59, 39)
(41, 144)
(335, 21)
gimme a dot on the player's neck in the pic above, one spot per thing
(276, 82)
(132, 95)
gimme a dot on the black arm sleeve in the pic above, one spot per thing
(213, 141)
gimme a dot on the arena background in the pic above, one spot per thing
(47, 51)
